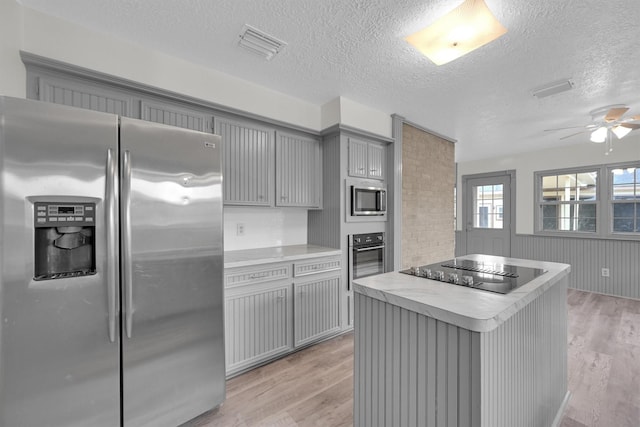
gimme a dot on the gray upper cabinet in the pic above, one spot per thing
(375, 157)
(298, 171)
(248, 162)
(173, 115)
(357, 158)
(87, 96)
(366, 159)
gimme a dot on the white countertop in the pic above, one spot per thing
(248, 257)
(472, 309)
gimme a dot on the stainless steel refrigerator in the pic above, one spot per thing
(111, 262)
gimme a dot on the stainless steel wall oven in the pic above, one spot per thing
(366, 255)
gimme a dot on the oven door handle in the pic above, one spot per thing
(369, 249)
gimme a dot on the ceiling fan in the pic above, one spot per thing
(606, 121)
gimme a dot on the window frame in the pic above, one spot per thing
(634, 235)
(604, 202)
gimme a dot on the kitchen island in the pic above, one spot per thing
(433, 353)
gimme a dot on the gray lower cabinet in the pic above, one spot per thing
(298, 171)
(271, 309)
(316, 308)
(258, 324)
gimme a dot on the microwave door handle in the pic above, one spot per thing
(369, 249)
(382, 200)
(126, 242)
(111, 209)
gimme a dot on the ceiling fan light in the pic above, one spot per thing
(599, 135)
(621, 131)
(464, 29)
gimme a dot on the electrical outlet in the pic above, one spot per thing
(605, 272)
(239, 229)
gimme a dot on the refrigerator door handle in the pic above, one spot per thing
(112, 240)
(126, 242)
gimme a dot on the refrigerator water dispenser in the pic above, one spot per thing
(64, 240)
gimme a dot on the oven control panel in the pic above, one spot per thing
(367, 239)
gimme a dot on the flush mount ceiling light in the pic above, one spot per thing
(465, 28)
(260, 43)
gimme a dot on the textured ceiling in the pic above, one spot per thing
(355, 49)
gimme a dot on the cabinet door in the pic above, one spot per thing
(248, 162)
(375, 163)
(87, 96)
(357, 158)
(174, 115)
(317, 309)
(257, 324)
(298, 171)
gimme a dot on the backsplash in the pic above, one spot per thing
(263, 227)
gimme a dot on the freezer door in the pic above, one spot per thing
(59, 347)
(172, 262)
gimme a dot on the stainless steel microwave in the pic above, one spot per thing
(368, 201)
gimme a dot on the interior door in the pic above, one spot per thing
(487, 210)
(59, 358)
(172, 267)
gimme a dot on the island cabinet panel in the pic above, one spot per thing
(298, 171)
(530, 353)
(248, 162)
(413, 370)
(258, 324)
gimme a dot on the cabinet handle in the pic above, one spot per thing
(283, 197)
(360, 169)
(280, 298)
(372, 170)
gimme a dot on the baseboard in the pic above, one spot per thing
(558, 419)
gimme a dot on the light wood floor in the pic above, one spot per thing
(314, 387)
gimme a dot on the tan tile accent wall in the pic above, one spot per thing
(428, 177)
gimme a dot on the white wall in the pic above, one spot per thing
(264, 227)
(361, 116)
(583, 154)
(12, 72)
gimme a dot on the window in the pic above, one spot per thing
(568, 201)
(625, 199)
(487, 206)
(597, 201)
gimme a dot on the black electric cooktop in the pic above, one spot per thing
(486, 276)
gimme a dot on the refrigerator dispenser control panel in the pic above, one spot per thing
(64, 215)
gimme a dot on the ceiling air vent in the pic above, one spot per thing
(260, 43)
(553, 88)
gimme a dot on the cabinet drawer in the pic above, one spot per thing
(248, 276)
(316, 266)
